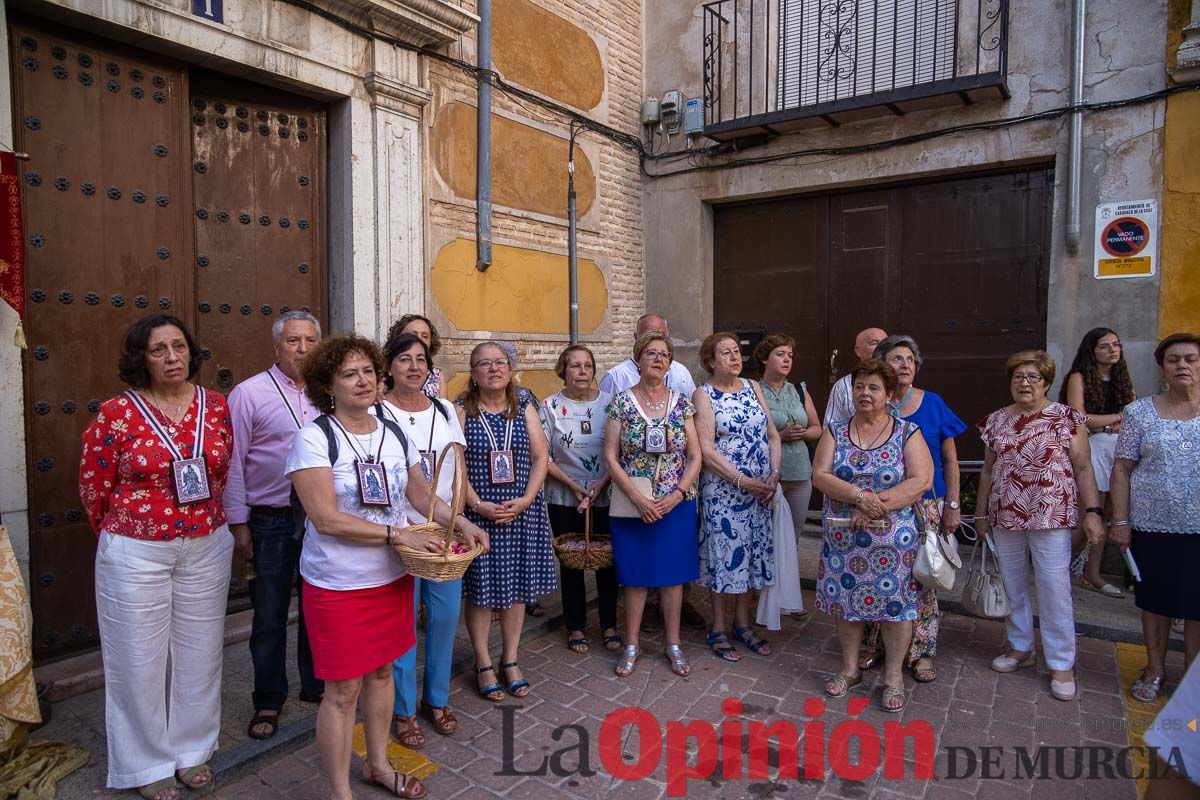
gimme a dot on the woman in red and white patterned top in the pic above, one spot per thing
(151, 479)
(1036, 470)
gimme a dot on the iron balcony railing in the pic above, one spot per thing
(777, 65)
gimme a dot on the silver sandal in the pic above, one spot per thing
(1150, 688)
(629, 657)
(679, 664)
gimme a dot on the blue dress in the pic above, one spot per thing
(520, 566)
(937, 423)
(737, 542)
(866, 575)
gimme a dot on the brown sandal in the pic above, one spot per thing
(407, 731)
(444, 722)
(401, 784)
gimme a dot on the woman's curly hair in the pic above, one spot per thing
(320, 366)
(1093, 385)
(131, 366)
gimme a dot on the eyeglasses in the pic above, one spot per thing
(657, 355)
(1031, 379)
(498, 363)
(160, 352)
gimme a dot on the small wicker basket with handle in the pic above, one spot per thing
(584, 551)
(452, 561)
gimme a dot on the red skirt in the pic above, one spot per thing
(355, 631)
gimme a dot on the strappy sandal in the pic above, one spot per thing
(612, 642)
(924, 674)
(196, 777)
(891, 693)
(401, 784)
(151, 791)
(519, 687)
(579, 645)
(444, 723)
(407, 731)
(493, 691)
(265, 716)
(721, 647)
(840, 685)
(748, 637)
(679, 664)
(1146, 689)
(625, 664)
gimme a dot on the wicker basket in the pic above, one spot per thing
(446, 565)
(584, 551)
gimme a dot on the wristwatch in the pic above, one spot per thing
(954, 504)
(1097, 510)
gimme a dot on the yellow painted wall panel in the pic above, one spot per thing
(544, 52)
(1179, 296)
(529, 166)
(524, 291)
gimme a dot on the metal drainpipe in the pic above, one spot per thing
(572, 264)
(483, 139)
(1075, 154)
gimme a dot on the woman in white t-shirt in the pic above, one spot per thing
(574, 421)
(431, 426)
(358, 479)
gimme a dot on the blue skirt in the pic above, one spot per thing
(662, 553)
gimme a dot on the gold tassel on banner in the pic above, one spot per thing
(19, 336)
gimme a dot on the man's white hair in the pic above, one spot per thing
(292, 316)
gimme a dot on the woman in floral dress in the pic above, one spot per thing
(650, 435)
(741, 473)
(871, 469)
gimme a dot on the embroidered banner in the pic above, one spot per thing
(12, 241)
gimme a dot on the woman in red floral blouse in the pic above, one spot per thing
(1036, 485)
(151, 479)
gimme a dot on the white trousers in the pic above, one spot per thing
(1051, 551)
(161, 609)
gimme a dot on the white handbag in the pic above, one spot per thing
(984, 595)
(937, 557)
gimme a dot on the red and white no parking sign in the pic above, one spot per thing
(1126, 239)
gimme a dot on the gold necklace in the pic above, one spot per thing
(874, 441)
(174, 418)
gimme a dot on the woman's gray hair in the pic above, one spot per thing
(899, 340)
(292, 316)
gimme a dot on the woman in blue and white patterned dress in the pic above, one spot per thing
(741, 471)
(506, 461)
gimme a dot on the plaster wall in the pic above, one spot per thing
(1123, 151)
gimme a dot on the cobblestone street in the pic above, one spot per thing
(969, 706)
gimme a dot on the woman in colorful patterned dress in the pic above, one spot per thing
(741, 474)
(940, 505)
(162, 560)
(871, 469)
(650, 435)
(506, 466)
(574, 423)
(1037, 468)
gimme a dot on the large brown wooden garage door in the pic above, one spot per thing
(146, 190)
(960, 264)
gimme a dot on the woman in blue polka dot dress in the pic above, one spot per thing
(506, 460)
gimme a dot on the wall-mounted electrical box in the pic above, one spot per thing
(693, 116)
(671, 109)
(650, 111)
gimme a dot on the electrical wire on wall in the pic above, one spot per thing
(711, 158)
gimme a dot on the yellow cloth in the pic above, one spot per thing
(18, 694)
(32, 770)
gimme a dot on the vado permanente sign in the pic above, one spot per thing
(1126, 239)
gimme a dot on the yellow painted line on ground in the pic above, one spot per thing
(410, 762)
(1131, 660)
